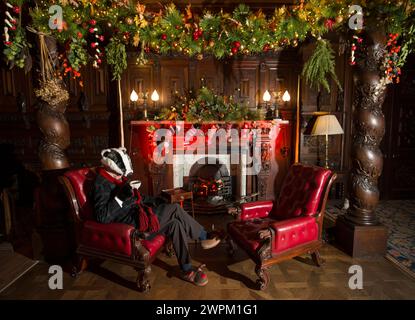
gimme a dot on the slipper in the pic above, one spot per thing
(210, 243)
(197, 276)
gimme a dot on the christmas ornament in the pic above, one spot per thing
(98, 52)
(339, 19)
(356, 40)
(329, 23)
(392, 70)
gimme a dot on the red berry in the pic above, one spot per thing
(13, 28)
(99, 61)
(234, 50)
(177, 27)
(91, 30)
(8, 43)
(101, 38)
(92, 22)
(164, 37)
(93, 45)
(200, 32)
(16, 9)
(237, 44)
(79, 34)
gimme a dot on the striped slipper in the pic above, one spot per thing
(196, 276)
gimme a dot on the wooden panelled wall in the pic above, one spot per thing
(245, 79)
(93, 114)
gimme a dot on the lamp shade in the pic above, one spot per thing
(327, 125)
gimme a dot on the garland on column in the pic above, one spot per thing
(16, 48)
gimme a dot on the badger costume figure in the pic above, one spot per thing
(117, 199)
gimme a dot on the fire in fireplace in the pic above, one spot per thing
(211, 184)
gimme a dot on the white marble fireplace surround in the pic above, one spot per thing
(182, 163)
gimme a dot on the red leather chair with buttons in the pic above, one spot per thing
(115, 241)
(272, 232)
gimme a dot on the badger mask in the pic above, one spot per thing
(117, 161)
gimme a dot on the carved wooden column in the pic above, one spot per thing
(359, 231)
(52, 224)
(56, 137)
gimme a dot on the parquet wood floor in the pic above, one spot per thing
(229, 278)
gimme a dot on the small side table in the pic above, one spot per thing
(178, 195)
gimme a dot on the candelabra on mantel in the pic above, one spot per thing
(267, 98)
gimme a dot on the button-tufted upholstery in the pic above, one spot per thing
(82, 181)
(256, 210)
(273, 232)
(291, 219)
(301, 191)
(112, 237)
(294, 232)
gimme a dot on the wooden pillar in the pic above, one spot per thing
(51, 205)
(359, 231)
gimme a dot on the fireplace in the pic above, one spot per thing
(211, 184)
(209, 176)
(216, 176)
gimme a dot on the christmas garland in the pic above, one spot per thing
(207, 106)
(16, 46)
(320, 65)
(91, 29)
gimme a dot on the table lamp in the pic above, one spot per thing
(327, 125)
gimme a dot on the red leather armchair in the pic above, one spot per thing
(115, 241)
(272, 232)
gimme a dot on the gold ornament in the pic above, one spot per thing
(199, 56)
(129, 21)
(339, 19)
(211, 43)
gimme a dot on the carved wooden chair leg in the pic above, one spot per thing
(168, 247)
(80, 266)
(143, 282)
(317, 259)
(263, 275)
(231, 248)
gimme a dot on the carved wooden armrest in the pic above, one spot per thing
(139, 252)
(265, 249)
(235, 211)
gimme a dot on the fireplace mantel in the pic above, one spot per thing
(273, 147)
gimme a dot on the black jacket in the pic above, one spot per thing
(108, 210)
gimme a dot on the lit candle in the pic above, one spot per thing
(155, 96)
(6, 34)
(286, 96)
(133, 96)
(267, 96)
